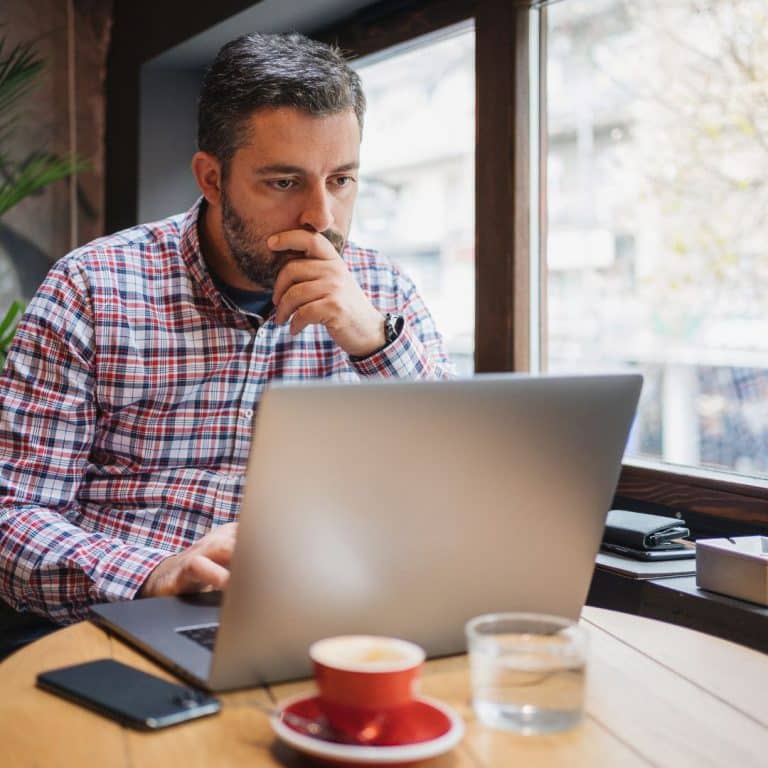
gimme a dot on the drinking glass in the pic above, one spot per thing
(528, 671)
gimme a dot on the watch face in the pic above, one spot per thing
(393, 324)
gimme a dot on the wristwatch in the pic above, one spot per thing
(393, 325)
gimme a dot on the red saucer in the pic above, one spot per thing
(416, 723)
(429, 728)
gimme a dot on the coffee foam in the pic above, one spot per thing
(366, 653)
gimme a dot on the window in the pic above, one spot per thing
(619, 288)
(416, 196)
(657, 189)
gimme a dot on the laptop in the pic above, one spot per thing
(399, 508)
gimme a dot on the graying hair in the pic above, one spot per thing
(260, 70)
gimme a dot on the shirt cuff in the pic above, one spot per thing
(404, 358)
(120, 574)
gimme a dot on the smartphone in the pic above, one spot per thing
(128, 695)
(682, 553)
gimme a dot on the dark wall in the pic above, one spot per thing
(141, 30)
(167, 141)
(63, 113)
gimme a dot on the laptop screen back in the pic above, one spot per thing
(405, 508)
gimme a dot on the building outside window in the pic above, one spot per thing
(416, 196)
(657, 188)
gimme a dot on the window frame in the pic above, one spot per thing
(502, 324)
(502, 241)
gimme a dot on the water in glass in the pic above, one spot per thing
(527, 682)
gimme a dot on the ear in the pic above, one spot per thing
(207, 171)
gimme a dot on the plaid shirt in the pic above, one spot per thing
(127, 405)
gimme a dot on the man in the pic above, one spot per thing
(127, 401)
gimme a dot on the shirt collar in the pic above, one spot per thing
(193, 258)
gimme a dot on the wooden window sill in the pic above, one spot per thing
(680, 601)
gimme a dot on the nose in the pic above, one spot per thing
(316, 212)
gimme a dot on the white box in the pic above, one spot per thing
(737, 567)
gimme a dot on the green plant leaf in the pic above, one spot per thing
(14, 310)
(19, 71)
(36, 172)
(8, 329)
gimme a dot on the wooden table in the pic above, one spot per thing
(657, 695)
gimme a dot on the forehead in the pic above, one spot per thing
(289, 136)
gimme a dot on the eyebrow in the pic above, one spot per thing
(298, 171)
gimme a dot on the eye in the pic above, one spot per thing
(282, 184)
(344, 181)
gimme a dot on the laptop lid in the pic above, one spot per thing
(405, 508)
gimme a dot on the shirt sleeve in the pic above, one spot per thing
(49, 564)
(418, 352)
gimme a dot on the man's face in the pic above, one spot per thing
(297, 171)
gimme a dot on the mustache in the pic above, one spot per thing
(336, 239)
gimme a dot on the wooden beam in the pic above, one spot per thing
(502, 194)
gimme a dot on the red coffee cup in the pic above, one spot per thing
(364, 680)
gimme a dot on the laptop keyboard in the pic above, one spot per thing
(205, 635)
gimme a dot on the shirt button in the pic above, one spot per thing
(247, 413)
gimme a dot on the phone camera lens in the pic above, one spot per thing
(188, 699)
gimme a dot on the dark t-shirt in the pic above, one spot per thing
(253, 302)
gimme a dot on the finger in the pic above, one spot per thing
(311, 244)
(314, 313)
(300, 294)
(219, 550)
(199, 572)
(220, 554)
(225, 532)
(297, 271)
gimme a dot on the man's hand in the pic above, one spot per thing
(204, 564)
(318, 288)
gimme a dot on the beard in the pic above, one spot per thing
(248, 245)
